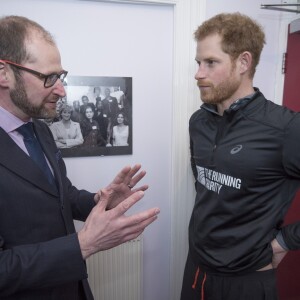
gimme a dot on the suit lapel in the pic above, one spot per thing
(14, 159)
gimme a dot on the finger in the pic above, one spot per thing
(121, 208)
(97, 196)
(138, 177)
(137, 229)
(136, 224)
(104, 196)
(122, 175)
(143, 218)
(141, 188)
(132, 172)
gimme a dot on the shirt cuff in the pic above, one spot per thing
(281, 241)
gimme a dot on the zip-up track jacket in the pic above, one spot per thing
(247, 169)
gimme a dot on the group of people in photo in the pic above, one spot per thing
(84, 123)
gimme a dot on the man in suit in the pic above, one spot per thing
(110, 105)
(41, 255)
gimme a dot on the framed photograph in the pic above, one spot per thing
(95, 117)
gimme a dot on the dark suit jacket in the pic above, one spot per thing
(110, 107)
(40, 257)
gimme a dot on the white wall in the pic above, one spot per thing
(109, 39)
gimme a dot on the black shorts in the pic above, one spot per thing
(198, 285)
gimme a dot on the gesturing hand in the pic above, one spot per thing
(122, 186)
(105, 229)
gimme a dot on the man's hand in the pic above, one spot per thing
(122, 186)
(105, 229)
(278, 253)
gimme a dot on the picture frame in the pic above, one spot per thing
(98, 111)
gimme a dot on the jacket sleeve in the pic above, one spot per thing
(40, 265)
(82, 202)
(291, 148)
(291, 163)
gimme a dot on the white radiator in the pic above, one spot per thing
(116, 274)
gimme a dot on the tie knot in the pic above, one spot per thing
(26, 130)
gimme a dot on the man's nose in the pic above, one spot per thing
(59, 88)
(201, 73)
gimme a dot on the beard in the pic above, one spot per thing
(221, 92)
(19, 97)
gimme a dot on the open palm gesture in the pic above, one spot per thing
(122, 186)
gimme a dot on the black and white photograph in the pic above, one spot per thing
(95, 117)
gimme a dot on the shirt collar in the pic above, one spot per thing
(8, 121)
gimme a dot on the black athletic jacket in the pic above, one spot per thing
(247, 169)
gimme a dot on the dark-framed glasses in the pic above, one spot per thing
(49, 79)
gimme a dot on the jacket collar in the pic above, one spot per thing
(238, 104)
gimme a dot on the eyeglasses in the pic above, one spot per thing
(49, 80)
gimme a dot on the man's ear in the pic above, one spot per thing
(4, 76)
(245, 61)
